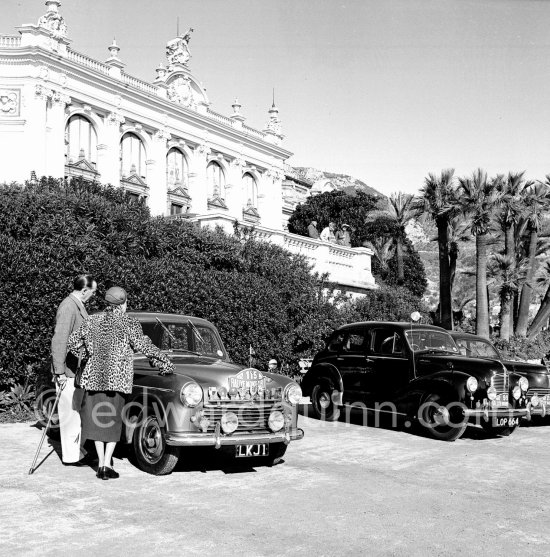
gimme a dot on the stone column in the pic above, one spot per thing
(37, 100)
(270, 199)
(234, 188)
(198, 190)
(108, 153)
(55, 134)
(156, 174)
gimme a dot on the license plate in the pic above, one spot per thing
(506, 422)
(244, 451)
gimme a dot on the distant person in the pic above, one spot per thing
(110, 339)
(273, 366)
(343, 236)
(329, 233)
(312, 231)
(70, 314)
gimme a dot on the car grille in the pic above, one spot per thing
(500, 382)
(252, 416)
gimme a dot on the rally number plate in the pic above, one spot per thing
(506, 422)
(244, 451)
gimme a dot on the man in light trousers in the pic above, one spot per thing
(70, 314)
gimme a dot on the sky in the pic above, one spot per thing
(386, 91)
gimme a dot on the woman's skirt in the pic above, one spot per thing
(101, 416)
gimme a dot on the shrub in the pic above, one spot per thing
(521, 348)
(395, 303)
(255, 293)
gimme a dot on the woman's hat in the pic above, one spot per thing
(346, 226)
(272, 362)
(116, 296)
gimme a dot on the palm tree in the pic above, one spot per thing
(383, 251)
(438, 201)
(543, 314)
(478, 197)
(508, 277)
(512, 208)
(457, 233)
(401, 209)
(536, 200)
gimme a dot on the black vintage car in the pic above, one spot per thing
(538, 376)
(417, 372)
(208, 401)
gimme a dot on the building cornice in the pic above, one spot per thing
(37, 56)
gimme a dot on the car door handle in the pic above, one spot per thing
(369, 361)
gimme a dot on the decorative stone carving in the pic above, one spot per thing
(180, 91)
(238, 162)
(177, 50)
(53, 21)
(60, 99)
(115, 119)
(43, 92)
(9, 102)
(162, 136)
(203, 148)
(44, 72)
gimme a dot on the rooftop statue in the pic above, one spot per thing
(53, 21)
(177, 50)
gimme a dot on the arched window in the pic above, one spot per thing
(80, 140)
(176, 169)
(132, 155)
(251, 190)
(216, 180)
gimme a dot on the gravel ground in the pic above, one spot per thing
(343, 489)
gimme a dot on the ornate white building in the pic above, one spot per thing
(161, 140)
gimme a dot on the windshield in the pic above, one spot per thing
(433, 341)
(191, 338)
(477, 349)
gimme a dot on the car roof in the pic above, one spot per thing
(400, 325)
(145, 316)
(461, 334)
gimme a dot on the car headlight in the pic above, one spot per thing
(191, 394)
(516, 392)
(523, 383)
(535, 401)
(229, 422)
(471, 384)
(276, 420)
(491, 393)
(293, 393)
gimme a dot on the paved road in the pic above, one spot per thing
(344, 489)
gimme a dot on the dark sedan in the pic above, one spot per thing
(415, 371)
(538, 376)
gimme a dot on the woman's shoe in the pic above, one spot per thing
(101, 474)
(110, 474)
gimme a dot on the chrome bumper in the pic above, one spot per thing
(217, 439)
(488, 413)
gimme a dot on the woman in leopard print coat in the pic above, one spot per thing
(110, 339)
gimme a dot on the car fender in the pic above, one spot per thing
(134, 406)
(451, 384)
(327, 371)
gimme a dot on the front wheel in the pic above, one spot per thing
(441, 419)
(150, 452)
(322, 403)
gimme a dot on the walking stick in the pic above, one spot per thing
(31, 469)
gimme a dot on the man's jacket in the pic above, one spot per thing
(70, 316)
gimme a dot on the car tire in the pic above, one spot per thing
(149, 451)
(322, 403)
(276, 453)
(497, 431)
(430, 417)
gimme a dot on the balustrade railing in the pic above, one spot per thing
(10, 41)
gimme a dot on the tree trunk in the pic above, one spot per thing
(506, 318)
(453, 257)
(482, 302)
(542, 316)
(505, 312)
(527, 290)
(445, 304)
(400, 265)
